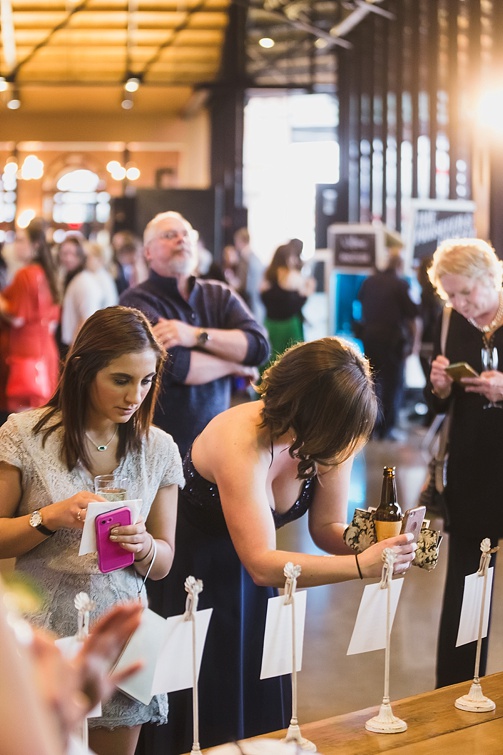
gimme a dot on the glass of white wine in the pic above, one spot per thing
(110, 486)
(489, 356)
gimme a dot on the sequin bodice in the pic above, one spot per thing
(203, 496)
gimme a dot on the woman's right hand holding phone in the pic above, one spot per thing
(371, 560)
(440, 380)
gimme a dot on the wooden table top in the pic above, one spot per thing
(434, 725)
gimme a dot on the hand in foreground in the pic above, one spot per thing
(102, 649)
(371, 561)
(70, 689)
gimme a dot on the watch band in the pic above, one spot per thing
(45, 530)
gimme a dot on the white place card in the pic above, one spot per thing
(472, 605)
(277, 657)
(164, 647)
(369, 632)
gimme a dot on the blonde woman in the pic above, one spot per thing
(467, 274)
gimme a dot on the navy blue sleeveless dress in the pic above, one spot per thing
(233, 702)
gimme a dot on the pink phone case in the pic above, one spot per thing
(110, 555)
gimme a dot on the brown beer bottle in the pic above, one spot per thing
(388, 516)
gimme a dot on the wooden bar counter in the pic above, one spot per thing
(434, 726)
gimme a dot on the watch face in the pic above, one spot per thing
(36, 519)
(202, 338)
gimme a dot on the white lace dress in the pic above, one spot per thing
(55, 564)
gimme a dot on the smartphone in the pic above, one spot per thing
(110, 555)
(460, 370)
(412, 521)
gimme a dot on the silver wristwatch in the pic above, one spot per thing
(36, 523)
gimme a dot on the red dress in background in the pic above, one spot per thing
(30, 303)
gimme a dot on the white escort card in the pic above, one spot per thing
(277, 653)
(164, 646)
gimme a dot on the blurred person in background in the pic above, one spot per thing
(250, 273)
(4, 271)
(285, 290)
(29, 311)
(230, 264)
(96, 264)
(89, 289)
(129, 265)
(388, 332)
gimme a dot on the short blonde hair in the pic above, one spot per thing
(472, 258)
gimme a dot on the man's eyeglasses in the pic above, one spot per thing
(172, 234)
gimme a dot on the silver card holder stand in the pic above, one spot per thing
(293, 734)
(83, 605)
(385, 722)
(475, 700)
(193, 587)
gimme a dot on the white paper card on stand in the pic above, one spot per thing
(174, 669)
(164, 646)
(145, 645)
(472, 603)
(69, 647)
(369, 632)
(88, 540)
(277, 657)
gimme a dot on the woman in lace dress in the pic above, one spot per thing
(98, 422)
(253, 469)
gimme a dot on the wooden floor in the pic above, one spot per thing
(332, 682)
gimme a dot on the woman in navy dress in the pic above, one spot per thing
(254, 468)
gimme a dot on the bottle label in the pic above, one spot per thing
(387, 529)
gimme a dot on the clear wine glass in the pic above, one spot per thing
(489, 356)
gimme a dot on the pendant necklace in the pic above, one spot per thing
(496, 319)
(104, 446)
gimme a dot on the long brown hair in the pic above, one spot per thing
(323, 392)
(36, 236)
(106, 335)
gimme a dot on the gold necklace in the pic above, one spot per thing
(496, 319)
(103, 446)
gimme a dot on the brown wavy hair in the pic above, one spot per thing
(324, 393)
(106, 335)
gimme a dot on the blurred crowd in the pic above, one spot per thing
(48, 290)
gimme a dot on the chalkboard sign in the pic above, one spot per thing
(357, 247)
(433, 221)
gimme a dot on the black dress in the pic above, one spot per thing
(233, 702)
(473, 493)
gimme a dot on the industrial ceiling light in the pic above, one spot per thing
(127, 101)
(13, 99)
(132, 83)
(266, 43)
